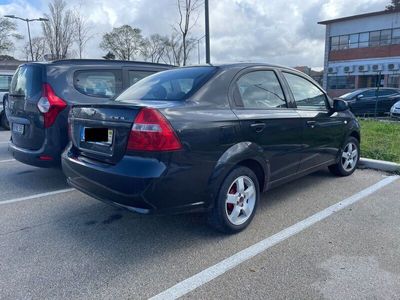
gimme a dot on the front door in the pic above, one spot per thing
(322, 129)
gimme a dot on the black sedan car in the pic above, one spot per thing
(210, 139)
(365, 101)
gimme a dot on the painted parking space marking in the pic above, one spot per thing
(201, 278)
(36, 196)
(7, 160)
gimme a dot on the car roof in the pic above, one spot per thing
(102, 62)
(243, 65)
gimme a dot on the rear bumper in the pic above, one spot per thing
(135, 183)
(33, 157)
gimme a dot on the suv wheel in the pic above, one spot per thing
(349, 157)
(236, 202)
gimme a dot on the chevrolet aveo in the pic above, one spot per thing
(208, 139)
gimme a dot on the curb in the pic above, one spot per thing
(380, 165)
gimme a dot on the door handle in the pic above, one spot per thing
(258, 127)
(311, 124)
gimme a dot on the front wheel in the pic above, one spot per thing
(236, 202)
(349, 158)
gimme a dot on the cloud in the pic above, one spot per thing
(281, 32)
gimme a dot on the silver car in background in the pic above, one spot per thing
(395, 110)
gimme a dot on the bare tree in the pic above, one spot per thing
(394, 5)
(59, 31)
(187, 9)
(124, 42)
(154, 48)
(38, 48)
(83, 32)
(8, 31)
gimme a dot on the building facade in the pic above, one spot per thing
(362, 51)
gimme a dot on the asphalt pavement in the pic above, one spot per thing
(69, 245)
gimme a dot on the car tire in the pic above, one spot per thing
(236, 201)
(4, 122)
(349, 158)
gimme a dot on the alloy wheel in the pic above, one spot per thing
(349, 157)
(240, 200)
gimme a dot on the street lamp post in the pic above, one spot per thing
(207, 29)
(27, 24)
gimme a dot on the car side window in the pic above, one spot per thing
(385, 92)
(98, 83)
(261, 90)
(135, 76)
(306, 94)
(367, 94)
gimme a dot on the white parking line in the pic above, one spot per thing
(7, 160)
(190, 284)
(36, 196)
(4, 142)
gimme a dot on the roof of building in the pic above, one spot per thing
(360, 16)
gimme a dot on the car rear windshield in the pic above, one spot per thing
(27, 81)
(178, 84)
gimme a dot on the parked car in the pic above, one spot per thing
(5, 81)
(208, 138)
(364, 101)
(395, 110)
(41, 95)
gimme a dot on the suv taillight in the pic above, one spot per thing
(151, 131)
(50, 105)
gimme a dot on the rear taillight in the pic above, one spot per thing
(50, 105)
(152, 132)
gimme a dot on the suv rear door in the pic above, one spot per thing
(26, 121)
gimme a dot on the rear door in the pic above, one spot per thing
(267, 120)
(26, 122)
(323, 131)
(364, 102)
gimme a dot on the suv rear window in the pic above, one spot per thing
(98, 83)
(27, 81)
(5, 81)
(178, 84)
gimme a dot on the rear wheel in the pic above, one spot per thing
(236, 202)
(349, 157)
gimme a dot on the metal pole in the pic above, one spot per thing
(207, 27)
(377, 94)
(29, 35)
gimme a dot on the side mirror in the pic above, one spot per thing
(340, 105)
(358, 97)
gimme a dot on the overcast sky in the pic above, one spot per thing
(275, 31)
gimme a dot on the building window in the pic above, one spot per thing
(335, 43)
(386, 37)
(396, 36)
(366, 39)
(341, 82)
(374, 38)
(369, 81)
(353, 41)
(394, 81)
(343, 42)
(363, 40)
